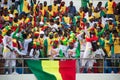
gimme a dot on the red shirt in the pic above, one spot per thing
(1, 37)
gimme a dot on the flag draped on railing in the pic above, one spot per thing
(53, 69)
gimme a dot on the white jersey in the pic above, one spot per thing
(64, 49)
(71, 52)
(54, 26)
(7, 53)
(7, 41)
(25, 45)
(55, 52)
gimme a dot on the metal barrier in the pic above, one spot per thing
(101, 64)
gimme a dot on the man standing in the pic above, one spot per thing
(84, 4)
(110, 5)
(71, 9)
(8, 52)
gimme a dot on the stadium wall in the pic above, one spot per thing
(78, 77)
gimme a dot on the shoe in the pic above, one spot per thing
(89, 71)
(14, 73)
(81, 70)
(6, 72)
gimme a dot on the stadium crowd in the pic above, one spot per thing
(39, 30)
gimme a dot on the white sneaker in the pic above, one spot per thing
(14, 73)
(6, 73)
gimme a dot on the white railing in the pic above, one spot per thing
(78, 64)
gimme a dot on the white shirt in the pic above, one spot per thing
(72, 50)
(7, 41)
(25, 45)
(91, 24)
(55, 26)
(63, 48)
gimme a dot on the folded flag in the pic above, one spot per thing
(53, 69)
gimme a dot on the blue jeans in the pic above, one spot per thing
(16, 4)
(111, 16)
(19, 70)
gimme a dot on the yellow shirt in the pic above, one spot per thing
(34, 7)
(63, 9)
(20, 21)
(27, 20)
(116, 17)
(110, 7)
(67, 20)
(107, 46)
(51, 13)
(101, 25)
(42, 12)
(118, 22)
(45, 8)
(82, 14)
(118, 30)
(42, 42)
(15, 23)
(111, 27)
(6, 18)
(4, 31)
(97, 14)
(56, 39)
(77, 29)
(42, 18)
(55, 8)
(91, 8)
(116, 45)
(36, 42)
(50, 43)
(25, 7)
(33, 22)
(15, 11)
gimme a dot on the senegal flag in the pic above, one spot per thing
(53, 69)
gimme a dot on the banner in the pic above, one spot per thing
(53, 69)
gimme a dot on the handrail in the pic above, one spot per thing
(77, 59)
(59, 58)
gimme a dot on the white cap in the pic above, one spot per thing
(110, 18)
(53, 30)
(57, 17)
(11, 15)
(41, 23)
(31, 16)
(41, 32)
(106, 19)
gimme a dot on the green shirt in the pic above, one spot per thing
(99, 34)
(84, 3)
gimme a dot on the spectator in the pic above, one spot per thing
(8, 52)
(45, 7)
(84, 4)
(89, 53)
(26, 7)
(35, 52)
(110, 6)
(63, 8)
(55, 50)
(81, 13)
(71, 10)
(55, 7)
(66, 20)
(97, 11)
(71, 50)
